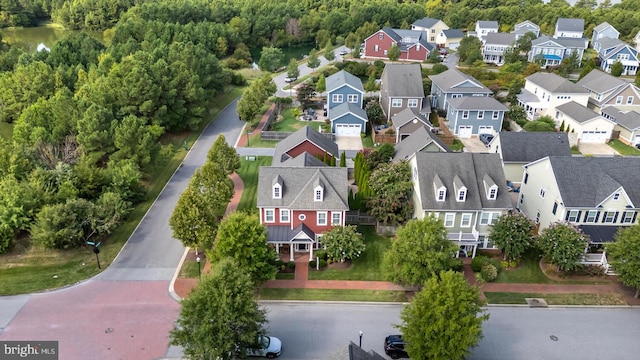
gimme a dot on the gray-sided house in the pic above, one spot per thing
(517, 149)
(495, 45)
(421, 140)
(613, 50)
(400, 88)
(348, 120)
(524, 27)
(604, 30)
(306, 140)
(603, 88)
(453, 84)
(551, 51)
(343, 87)
(466, 191)
(627, 124)
(298, 204)
(569, 28)
(407, 121)
(471, 116)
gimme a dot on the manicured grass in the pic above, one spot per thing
(285, 276)
(367, 142)
(575, 150)
(6, 130)
(257, 142)
(528, 272)
(368, 267)
(190, 269)
(457, 145)
(248, 172)
(290, 123)
(331, 295)
(624, 149)
(556, 299)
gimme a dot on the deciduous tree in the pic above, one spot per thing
(625, 256)
(292, 69)
(312, 61)
(563, 245)
(513, 234)
(393, 53)
(271, 59)
(343, 243)
(390, 193)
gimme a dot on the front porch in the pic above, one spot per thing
(531, 104)
(293, 242)
(468, 242)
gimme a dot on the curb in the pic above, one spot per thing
(172, 289)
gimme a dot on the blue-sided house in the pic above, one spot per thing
(453, 84)
(348, 119)
(472, 116)
(343, 87)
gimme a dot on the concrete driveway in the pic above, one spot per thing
(349, 143)
(597, 149)
(474, 145)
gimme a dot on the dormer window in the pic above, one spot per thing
(493, 193)
(490, 187)
(318, 190)
(318, 196)
(277, 191)
(462, 194)
(442, 193)
(460, 189)
(439, 189)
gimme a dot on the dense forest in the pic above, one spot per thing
(87, 117)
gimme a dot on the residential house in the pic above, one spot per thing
(421, 140)
(569, 28)
(524, 27)
(495, 45)
(589, 126)
(467, 191)
(602, 87)
(471, 116)
(430, 26)
(627, 124)
(407, 121)
(551, 51)
(348, 120)
(343, 87)
(400, 88)
(298, 204)
(543, 92)
(413, 44)
(604, 30)
(485, 27)
(453, 84)
(518, 148)
(595, 193)
(305, 140)
(611, 51)
(449, 39)
(636, 40)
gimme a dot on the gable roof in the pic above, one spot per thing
(555, 83)
(417, 141)
(627, 119)
(347, 108)
(466, 168)
(603, 26)
(403, 80)
(602, 176)
(500, 39)
(407, 115)
(608, 43)
(307, 133)
(425, 22)
(392, 34)
(600, 82)
(531, 146)
(450, 81)
(302, 160)
(570, 24)
(577, 112)
(298, 184)
(476, 103)
(487, 24)
(567, 42)
(453, 33)
(342, 78)
(526, 24)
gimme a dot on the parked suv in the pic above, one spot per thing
(485, 138)
(394, 347)
(271, 348)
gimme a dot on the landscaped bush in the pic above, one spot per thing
(322, 254)
(489, 272)
(481, 260)
(590, 270)
(291, 265)
(312, 264)
(457, 265)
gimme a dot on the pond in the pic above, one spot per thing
(29, 38)
(297, 52)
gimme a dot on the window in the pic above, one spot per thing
(396, 103)
(592, 216)
(487, 218)
(538, 217)
(629, 100)
(385, 52)
(352, 98)
(616, 196)
(276, 192)
(318, 195)
(381, 36)
(610, 216)
(284, 215)
(480, 115)
(412, 103)
(462, 195)
(526, 177)
(493, 192)
(572, 216)
(336, 98)
(521, 198)
(321, 218)
(441, 195)
(376, 48)
(455, 96)
(555, 208)
(269, 215)
(433, 31)
(336, 218)
(448, 219)
(496, 115)
(465, 221)
(302, 217)
(618, 100)
(465, 114)
(542, 192)
(627, 217)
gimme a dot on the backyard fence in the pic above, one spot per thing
(355, 217)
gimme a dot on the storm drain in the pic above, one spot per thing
(536, 303)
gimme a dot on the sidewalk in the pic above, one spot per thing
(242, 140)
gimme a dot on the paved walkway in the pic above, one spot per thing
(242, 140)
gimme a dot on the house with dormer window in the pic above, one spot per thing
(466, 191)
(298, 204)
(597, 194)
(413, 44)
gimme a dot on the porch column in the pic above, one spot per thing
(310, 252)
(475, 247)
(291, 247)
(278, 248)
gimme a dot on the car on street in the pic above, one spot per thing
(486, 138)
(271, 348)
(343, 52)
(394, 347)
(638, 145)
(289, 80)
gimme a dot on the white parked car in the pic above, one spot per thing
(289, 80)
(271, 348)
(343, 52)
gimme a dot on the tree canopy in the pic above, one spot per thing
(343, 243)
(563, 245)
(513, 234)
(391, 189)
(624, 254)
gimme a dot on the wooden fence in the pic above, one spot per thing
(355, 217)
(279, 135)
(382, 138)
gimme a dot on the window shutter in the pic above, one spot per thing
(604, 216)
(615, 217)
(578, 217)
(586, 215)
(635, 214)
(597, 216)
(566, 217)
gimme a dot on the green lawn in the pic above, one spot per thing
(556, 299)
(528, 272)
(457, 145)
(331, 295)
(624, 149)
(368, 267)
(6, 130)
(367, 142)
(249, 174)
(290, 123)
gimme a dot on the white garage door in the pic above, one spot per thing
(594, 136)
(465, 131)
(637, 140)
(348, 129)
(485, 130)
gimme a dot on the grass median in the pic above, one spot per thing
(331, 295)
(555, 299)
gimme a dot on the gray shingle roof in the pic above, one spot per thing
(500, 39)
(577, 112)
(407, 115)
(471, 169)
(302, 160)
(587, 181)
(425, 22)
(392, 34)
(526, 24)
(476, 103)
(342, 78)
(403, 80)
(416, 142)
(531, 146)
(279, 233)
(454, 80)
(630, 120)
(568, 42)
(295, 139)
(555, 83)
(346, 108)
(607, 43)
(298, 187)
(600, 82)
(488, 24)
(568, 24)
(453, 33)
(603, 26)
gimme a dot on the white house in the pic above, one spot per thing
(589, 126)
(543, 92)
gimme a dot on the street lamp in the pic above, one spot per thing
(198, 261)
(247, 137)
(360, 333)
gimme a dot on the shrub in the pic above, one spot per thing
(457, 265)
(312, 264)
(291, 265)
(479, 261)
(489, 272)
(323, 263)
(322, 254)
